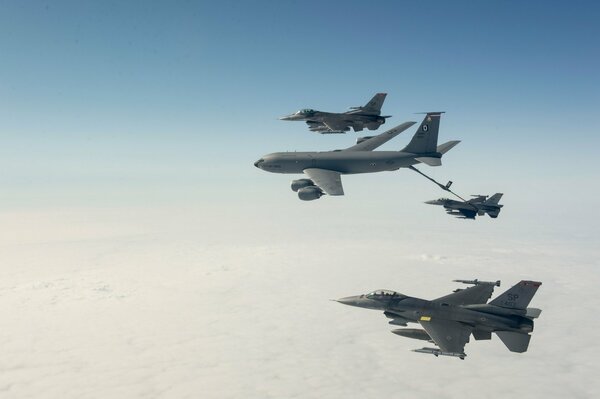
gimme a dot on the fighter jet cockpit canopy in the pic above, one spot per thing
(306, 111)
(384, 294)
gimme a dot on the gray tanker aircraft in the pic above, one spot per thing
(449, 321)
(323, 170)
(358, 118)
(480, 205)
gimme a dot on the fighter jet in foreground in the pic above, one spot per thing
(323, 170)
(358, 118)
(449, 321)
(480, 205)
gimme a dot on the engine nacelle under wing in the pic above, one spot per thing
(301, 183)
(310, 193)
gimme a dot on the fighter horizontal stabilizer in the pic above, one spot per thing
(437, 352)
(514, 341)
(533, 313)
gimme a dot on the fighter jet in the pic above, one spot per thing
(323, 170)
(358, 118)
(449, 321)
(480, 205)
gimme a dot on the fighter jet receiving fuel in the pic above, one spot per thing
(480, 205)
(323, 170)
(358, 118)
(449, 321)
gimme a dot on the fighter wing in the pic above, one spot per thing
(316, 126)
(466, 213)
(450, 336)
(322, 128)
(337, 124)
(476, 294)
(327, 180)
(376, 141)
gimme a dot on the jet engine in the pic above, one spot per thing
(301, 183)
(310, 193)
(361, 139)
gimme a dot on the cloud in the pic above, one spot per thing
(220, 313)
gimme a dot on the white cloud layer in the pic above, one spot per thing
(155, 305)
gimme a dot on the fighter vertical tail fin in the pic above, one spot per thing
(494, 199)
(518, 296)
(426, 137)
(375, 104)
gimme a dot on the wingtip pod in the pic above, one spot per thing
(533, 313)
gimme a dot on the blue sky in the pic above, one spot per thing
(143, 255)
(107, 102)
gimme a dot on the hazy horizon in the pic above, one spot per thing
(144, 256)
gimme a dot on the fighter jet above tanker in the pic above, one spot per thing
(480, 205)
(450, 320)
(323, 170)
(358, 118)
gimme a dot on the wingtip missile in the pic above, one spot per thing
(477, 282)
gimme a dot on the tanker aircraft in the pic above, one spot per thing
(323, 170)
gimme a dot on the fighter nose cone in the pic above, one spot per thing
(257, 163)
(432, 202)
(349, 300)
(286, 118)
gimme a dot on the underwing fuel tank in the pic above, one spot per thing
(413, 333)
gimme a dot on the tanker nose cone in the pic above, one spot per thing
(258, 163)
